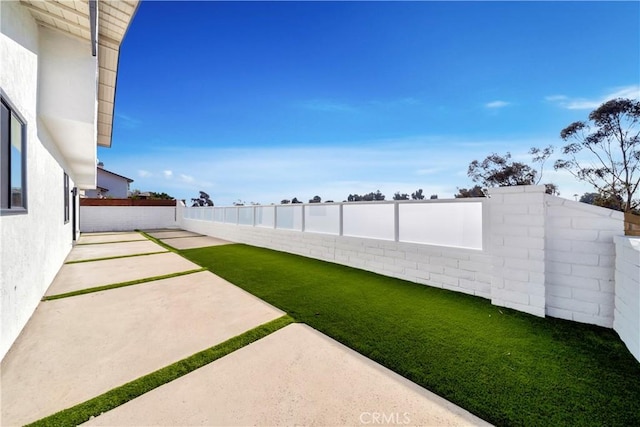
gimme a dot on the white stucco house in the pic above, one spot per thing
(109, 184)
(59, 63)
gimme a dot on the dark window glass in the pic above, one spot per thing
(12, 160)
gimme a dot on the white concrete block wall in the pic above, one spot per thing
(626, 318)
(580, 260)
(126, 218)
(543, 255)
(517, 243)
(461, 270)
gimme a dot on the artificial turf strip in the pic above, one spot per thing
(158, 242)
(113, 398)
(120, 285)
(507, 367)
(114, 257)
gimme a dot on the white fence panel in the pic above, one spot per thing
(443, 224)
(322, 219)
(231, 215)
(369, 220)
(265, 216)
(289, 217)
(245, 215)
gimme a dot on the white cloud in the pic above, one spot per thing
(126, 122)
(143, 173)
(186, 178)
(428, 171)
(497, 104)
(396, 103)
(167, 173)
(630, 92)
(437, 164)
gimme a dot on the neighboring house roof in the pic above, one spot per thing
(73, 17)
(115, 174)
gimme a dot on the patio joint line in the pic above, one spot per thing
(121, 284)
(113, 398)
(160, 242)
(115, 257)
(107, 243)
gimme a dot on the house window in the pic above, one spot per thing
(66, 198)
(13, 196)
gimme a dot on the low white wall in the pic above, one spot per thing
(541, 254)
(627, 292)
(462, 270)
(126, 218)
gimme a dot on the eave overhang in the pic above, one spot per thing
(76, 90)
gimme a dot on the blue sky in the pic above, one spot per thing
(262, 101)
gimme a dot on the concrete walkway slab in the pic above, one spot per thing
(90, 238)
(76, 348)
(173, 233)
(84, 252)
(194, 242)
(73, 277)
(295, 376)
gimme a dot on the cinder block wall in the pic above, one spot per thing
(126, 218)
(516, 233)
(543, 255)
(580, 260)
(461, 270)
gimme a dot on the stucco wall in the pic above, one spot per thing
(33, 245)
(126, 218)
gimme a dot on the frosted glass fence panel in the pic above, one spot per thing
(245, 215)
(218, 214)
(231, 215)
(196, 213)
(289, 217)
(265, 216)
(322, 219)
(373, 221)
(445, 224)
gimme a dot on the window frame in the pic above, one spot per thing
(5, 156)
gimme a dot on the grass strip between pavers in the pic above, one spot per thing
(114, 257)
(507, 367)
(120, 284)
(159, 242)
(113, 398)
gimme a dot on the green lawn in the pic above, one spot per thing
(507, 367)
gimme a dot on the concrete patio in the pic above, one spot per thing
(78, 347)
